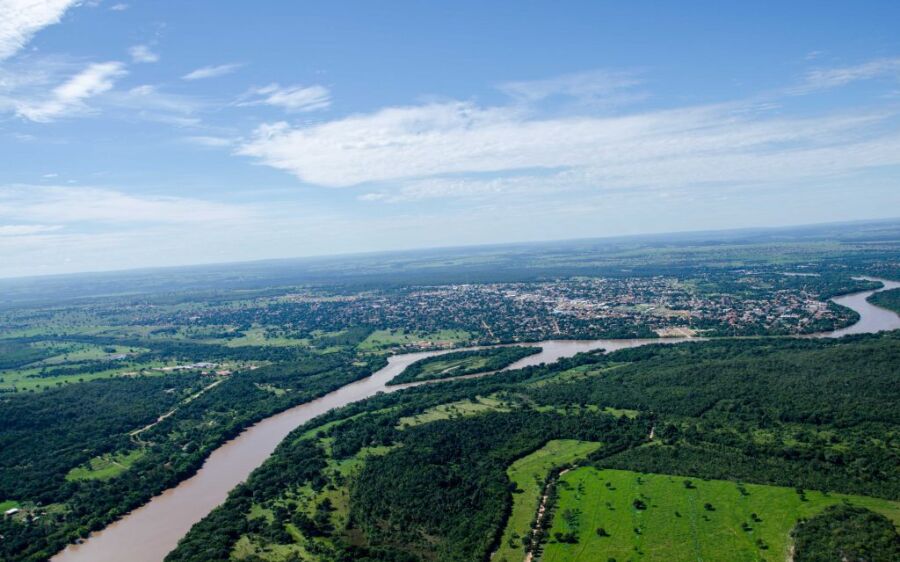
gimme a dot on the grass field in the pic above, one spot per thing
(386, 339)
(8, 504)
(449, 367)
(464, 362)
(26, 377)
(461, 408)
(257, 336)
(706, 520)
(105, 467)
(21, 380)
(528, 474)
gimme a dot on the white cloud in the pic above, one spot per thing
(148, 102)
(27, 229)
(150, 97)
(21, 19)
(471, 189)
(142, 53)
(69, 97)
(418, 147)
(821, 79)
(120, 7)
(585, 87)
(211, 71)
(291, 98)
(209, 141)
(73, 205)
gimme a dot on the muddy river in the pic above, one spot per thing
(148, 533)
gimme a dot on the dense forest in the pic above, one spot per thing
(810, 414)
(846, 533)
(45, 435)
(887, 299)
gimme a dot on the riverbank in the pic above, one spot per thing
(151, 531)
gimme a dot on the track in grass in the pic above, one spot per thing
(529, 474)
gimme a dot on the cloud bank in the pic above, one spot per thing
(446, 148)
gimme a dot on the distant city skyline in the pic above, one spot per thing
(143, 134)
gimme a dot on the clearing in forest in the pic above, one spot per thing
(624, 515)
(529, 475)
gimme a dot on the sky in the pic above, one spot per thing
(144, 133)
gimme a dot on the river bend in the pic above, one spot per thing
(150, 532)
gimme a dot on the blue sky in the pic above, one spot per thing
(141, 133)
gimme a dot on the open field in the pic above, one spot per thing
(529, 474)
(8, 504)
(257, 336)
(105, 466)
(453, 410)
(27, 379)
(440, 367)
(682, 518)
(386, 339)
(466, 362)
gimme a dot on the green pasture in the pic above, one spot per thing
(681, 518)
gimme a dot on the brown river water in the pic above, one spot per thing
(150, 532)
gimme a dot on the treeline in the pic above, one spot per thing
(14, 354)
(801, 413)
(846, 533)
(889, 299)
(369, 423)
(457, 363)
(785, 412)
(459, 465)
(165, 350)
(44, 435)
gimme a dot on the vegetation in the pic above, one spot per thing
(889, 299)
(461, 363)
(15, 354)
(73, 455)
(847, 532)
(105, 466)
(391, 339)
(708, 520)
(115, 387)
(785, 417)
(529, 476)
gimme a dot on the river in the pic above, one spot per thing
(150, 532)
